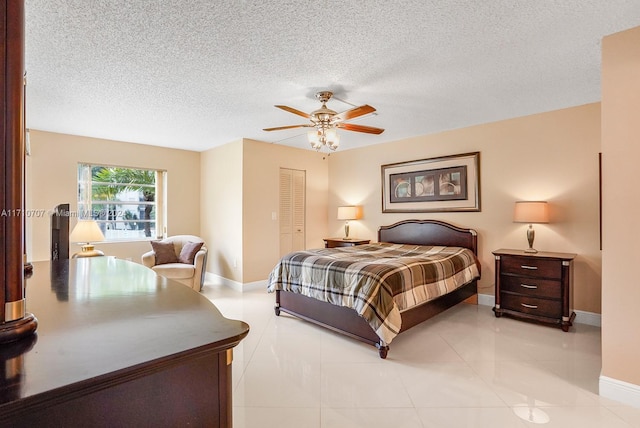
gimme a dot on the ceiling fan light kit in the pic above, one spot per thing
(326, 121)
(321, 137)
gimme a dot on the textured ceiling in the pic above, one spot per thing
(196, 74)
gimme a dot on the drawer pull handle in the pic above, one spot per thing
(529, 267)
(529, 306)
(533, 287)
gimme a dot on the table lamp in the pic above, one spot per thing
(531, 212)
(349, 213)
(86, 232)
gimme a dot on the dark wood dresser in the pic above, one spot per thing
(117, 345)
(535, 286)
(342, 242)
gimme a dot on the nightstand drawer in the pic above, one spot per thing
(531, 286)
(531, 305)
(335, 244)
(530, 266)
(343, 242)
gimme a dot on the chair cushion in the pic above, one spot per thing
(188, 252)
(175, 270)
(165, 252)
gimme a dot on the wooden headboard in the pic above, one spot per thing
(429, 232)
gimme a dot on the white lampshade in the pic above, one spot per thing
(531, 212)
(334, 143)
(86, 231)
(313, 137)
(349, 213)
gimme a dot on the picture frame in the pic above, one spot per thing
(442, 184)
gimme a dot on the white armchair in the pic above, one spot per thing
(186, 264)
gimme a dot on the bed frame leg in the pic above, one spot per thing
(276, 308)
(382, 349)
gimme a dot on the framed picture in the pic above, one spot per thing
(448, 183)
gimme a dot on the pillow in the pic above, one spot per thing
(189, 251)
(165, 252)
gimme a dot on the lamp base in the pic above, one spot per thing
(88, 251)
(531, 234)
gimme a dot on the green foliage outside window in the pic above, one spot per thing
(122, 200)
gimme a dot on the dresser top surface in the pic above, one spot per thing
(99, 317)
(539, 254)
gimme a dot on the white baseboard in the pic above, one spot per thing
(238, 286)
(617, 390)
(217, 279)
(486, 299)
(582, 317)
(589, 318)
(255, 285)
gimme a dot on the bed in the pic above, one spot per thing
(305, 295)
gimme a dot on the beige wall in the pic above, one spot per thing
(550, 156)
(240, 183)
(52, 180)
(621, 209)
(262, 163)
(221, 214)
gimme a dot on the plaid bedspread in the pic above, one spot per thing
(377, 280)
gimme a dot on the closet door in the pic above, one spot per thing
(292, 210)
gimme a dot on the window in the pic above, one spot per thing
(126, 203)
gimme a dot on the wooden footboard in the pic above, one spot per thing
(347, 321)
(337, 318)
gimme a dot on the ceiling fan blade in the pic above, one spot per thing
(360, 128)
(279, 128)
(294, 111)
(354, 112)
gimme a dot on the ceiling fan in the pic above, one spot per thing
(325, 121)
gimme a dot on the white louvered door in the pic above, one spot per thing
(292, 210)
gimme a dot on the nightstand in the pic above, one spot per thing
(342, 242)
(535, 286)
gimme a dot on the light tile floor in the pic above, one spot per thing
(462, 368)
